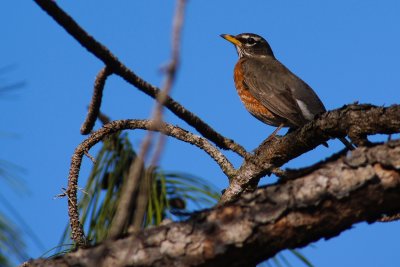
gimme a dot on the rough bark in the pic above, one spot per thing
(356, 121)
(339, 192)
(323, 201)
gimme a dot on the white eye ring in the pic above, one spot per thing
(250, 41)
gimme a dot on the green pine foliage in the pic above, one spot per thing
(170, 195)
(12, 246)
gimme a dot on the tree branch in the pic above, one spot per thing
(171, 71)
(356, 121)
(94, 107)
(77, 233)
(343, 191)
(130, 193)
(136, 181)
(207, 235)
(118, 68)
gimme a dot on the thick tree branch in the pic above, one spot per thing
(356, 121)
(343, 191)
(118, 68)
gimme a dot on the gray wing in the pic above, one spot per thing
(283, 93)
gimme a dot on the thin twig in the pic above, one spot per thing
(94, 107)
(103, 118)
(170, 75)
(391, 218)
(61, 195)
(111, 61)
(141, 198)
(87, 154)
(130, 190)
(126, 202)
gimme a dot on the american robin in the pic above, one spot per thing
(269, 90)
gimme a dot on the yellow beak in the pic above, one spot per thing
(231, 39)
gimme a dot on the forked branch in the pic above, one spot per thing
(361, 187)
(118, 68)
(357, 121)
(113, 127)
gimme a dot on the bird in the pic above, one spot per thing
(269, 90)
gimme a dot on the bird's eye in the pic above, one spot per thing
(251, 41)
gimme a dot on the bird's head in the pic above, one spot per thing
(249, 45)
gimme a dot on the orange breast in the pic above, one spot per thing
(255, 107)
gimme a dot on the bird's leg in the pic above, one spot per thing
(274, 133)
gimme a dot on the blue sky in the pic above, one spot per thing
(346, 50)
